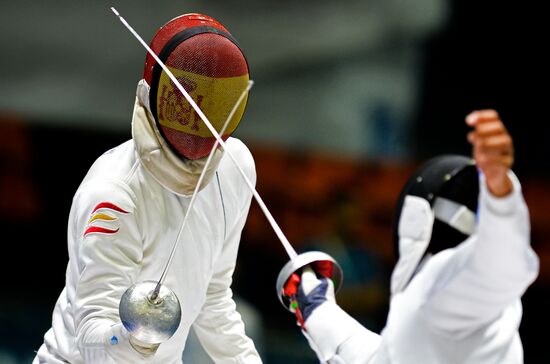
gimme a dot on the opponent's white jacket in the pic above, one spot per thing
(462, 307)
(122, 226)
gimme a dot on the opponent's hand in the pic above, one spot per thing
(308, 292)
(493, 149)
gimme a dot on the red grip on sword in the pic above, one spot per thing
(323, 268)
(291, 286)
(290, 290)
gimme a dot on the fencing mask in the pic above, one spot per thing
(205, 58)
(435, 211)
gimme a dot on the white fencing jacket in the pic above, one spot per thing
(463, 306)
(122, 226)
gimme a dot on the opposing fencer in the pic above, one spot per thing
(462, 234)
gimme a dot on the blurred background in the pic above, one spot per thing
(349, 97)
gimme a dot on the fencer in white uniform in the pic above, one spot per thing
(124, 221)
(463, 265)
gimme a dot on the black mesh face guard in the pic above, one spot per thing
(454, 177)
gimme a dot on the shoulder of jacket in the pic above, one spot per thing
(241, 153)
(105, 191)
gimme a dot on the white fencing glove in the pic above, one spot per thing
(116, 345)
(141, 347)
(324, 324)
(307, 292)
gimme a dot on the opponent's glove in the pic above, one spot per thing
(307, 293)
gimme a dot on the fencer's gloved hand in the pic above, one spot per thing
(141, 347)
(313, 292)
(329, 330)
(120, 333)
(119, 347)
(307, 292)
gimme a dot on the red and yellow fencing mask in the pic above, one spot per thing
(205, 58)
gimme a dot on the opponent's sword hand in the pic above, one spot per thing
(308, 292)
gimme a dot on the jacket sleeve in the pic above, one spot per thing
(488, 272)
(219, 327)
(336, 337)
(103, 229)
